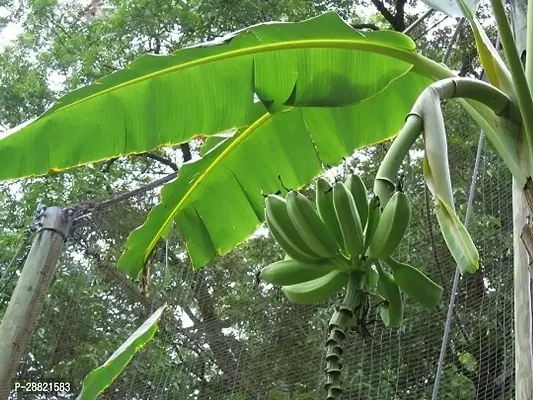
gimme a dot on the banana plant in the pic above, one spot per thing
(283, 100)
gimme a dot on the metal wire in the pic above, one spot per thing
(449, 49)
(457, 275)
(9, 273)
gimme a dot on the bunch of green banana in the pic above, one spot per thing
(285, 233)
(312, 272)
(408, 279)
(391, 312)
(348, 219)
(341, 245)
(323, 246)
(374, 215)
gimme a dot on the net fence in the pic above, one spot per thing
(230, 337)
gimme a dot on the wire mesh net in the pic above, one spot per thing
(230, 337)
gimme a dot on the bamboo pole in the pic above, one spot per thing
(26, 303)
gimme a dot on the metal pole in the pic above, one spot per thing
(411, 27)
(27, 300)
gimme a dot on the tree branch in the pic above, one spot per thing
(430, 28)
(107, 165)
(400, 15)
(206, 305)
(466, 63)
(386, 14)
(372, 27)
(186, 152)
(81, 210)
(190, 314)
(161, 159)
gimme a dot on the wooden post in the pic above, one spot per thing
(522, 311)
(522, 278)
(26, 303)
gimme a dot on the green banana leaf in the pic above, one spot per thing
(102, 377)
(207, 89)
(493, 65)
(217, 202)
(213, 141)
(324, 90)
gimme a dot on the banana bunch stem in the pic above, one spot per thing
(418, 119)
(337, 333)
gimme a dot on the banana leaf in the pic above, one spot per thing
(199, 91)
(102, 377)
(217, 201)
(323, 90)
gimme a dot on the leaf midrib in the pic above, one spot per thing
(245, 134)
(409, 56)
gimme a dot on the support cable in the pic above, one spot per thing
(411, 27)
(457, 275)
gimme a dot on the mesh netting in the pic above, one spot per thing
(230, 338)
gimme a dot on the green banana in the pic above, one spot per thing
(392, 312)
(317, 290)
(349, 221)
(374, 215)
(309, 225)
(326, 209)
(357, 188)
(392, 226)
(285, 233)
(291, 272)
(372, 277)
(415, 284)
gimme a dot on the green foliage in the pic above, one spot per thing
(100, 378)
(24, 89)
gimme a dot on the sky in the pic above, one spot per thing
(10, 32)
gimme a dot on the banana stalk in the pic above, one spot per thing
(502, 135)
(337, 333)
(426, 116)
